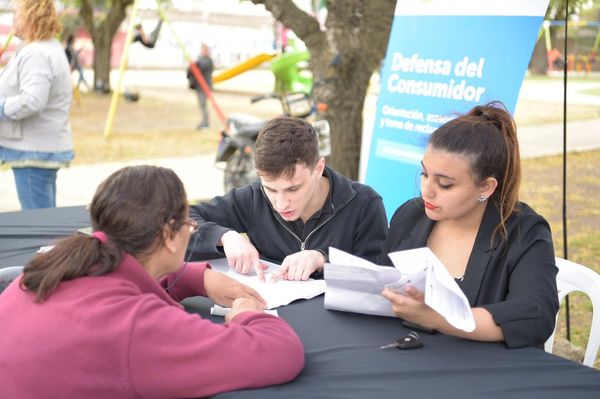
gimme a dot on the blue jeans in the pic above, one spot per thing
(36, 187)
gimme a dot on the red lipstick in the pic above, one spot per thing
(429, 205)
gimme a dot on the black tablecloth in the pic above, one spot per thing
(343, 359)
(23, 233)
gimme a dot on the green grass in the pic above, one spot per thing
(532, 113)
(592, 92)
(592, 78)
(542, 189)
(146, 129)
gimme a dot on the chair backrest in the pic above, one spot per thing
(575, 277)
(8, 274)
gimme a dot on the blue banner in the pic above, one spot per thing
(443, 58)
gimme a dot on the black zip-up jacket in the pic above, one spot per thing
(357, 222)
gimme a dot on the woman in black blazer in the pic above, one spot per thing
(498, 249)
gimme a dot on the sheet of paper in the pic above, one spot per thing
(45, 248)
(355, 285)
(217, 310)
(441, 291)
(279, 293)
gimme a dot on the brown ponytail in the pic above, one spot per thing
(131, 207)
(72, 257)
(487, 137)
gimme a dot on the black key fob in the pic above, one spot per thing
(410, 341)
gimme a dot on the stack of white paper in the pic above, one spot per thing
(355, 285)
(279, 293)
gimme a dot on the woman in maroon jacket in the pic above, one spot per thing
(99, 316)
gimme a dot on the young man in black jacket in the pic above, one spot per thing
(295, 213)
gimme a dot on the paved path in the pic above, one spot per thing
(202, 179)
(541, 140)
(76, 185)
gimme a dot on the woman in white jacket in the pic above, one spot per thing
(35, 99)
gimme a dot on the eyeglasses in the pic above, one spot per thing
(193, 225)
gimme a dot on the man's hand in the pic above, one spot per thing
(241, 305)
(224, 290)
(300, 266)
(241, 255)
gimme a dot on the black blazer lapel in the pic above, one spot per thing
(481, 254)
(419, 235)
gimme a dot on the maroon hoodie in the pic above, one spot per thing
(121, 335)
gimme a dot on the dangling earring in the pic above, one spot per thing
(482, 198)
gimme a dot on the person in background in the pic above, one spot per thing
(295, 213)
(205, 66)
(99, 316)
(140, 35)
(498, 249)
(35, 100)
(74, 63)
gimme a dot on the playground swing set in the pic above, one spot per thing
(193, 67)
(289, 76)
(583, 63)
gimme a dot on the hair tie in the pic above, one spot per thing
(487, 117)
(100, 236)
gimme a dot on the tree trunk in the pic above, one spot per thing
(102, 60)
(102, 33)
(345, 106)
(343, 58)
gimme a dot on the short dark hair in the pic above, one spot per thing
(283, 143)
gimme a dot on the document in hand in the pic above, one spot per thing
(355, 285)
(279, 293)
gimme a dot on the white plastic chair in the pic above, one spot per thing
(8, 274)
(575, 277)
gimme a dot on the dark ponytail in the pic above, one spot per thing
(487, 137)
(71, 258)
(131, 207)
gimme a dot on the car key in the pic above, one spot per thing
(411, 341)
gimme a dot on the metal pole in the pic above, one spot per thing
(117, 91)
(7, 43)
(564, 203)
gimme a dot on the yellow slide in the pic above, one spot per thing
(242, 67)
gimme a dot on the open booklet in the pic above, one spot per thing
(279, 293)
(355, 285)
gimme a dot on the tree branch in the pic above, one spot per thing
(374, 36)
(117, 14)
(360, 28)
(87, 14)
(305, 26)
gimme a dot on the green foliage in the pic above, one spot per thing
(71, 23)
(556, 8)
